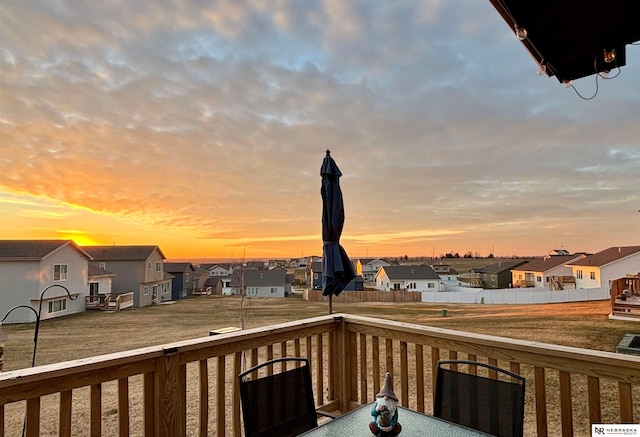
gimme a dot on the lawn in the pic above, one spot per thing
(582, 324)
(93, 333)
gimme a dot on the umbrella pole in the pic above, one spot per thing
(331, 303)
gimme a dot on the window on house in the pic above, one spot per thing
(57, 305)
(396, 286)
(102, 265)
(146, 291)
(186, 278)
(315, 276)
(592, 275)
(431, 285)
(579, 274)
(274, 290)
(538, 278)
(252, 291)
(149, 266)
(60, 272)
(93, 288)
(158, 266)
(155, 290)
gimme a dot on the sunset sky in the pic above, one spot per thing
(201, 127)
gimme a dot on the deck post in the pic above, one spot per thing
(3, 338)
(170, 395)
(343, 364)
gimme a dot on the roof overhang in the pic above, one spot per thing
(570, 37)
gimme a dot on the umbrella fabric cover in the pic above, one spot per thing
(337, 270)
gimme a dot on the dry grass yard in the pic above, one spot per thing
(93, 333)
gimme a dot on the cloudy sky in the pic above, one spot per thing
(201, 127)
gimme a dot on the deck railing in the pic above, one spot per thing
(190, 387)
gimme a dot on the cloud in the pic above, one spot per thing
(213, 118)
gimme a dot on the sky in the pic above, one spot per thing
(200, 127)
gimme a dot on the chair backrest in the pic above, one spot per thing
(494, 406)
(280, 404)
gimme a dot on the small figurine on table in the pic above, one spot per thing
(385, 411)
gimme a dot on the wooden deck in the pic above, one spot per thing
(109, 302)
(625, 297)
(191, 388)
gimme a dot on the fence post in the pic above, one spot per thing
(170, 395)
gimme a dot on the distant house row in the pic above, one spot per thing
(580, 270)
(560, 270)
(75, 276)
(69, 278)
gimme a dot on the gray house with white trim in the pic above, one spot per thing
(260, 283)
(138, 269)
(29, 267)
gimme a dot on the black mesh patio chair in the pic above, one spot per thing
(494, 406)
(280, 404)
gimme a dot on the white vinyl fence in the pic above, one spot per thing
(514, 295)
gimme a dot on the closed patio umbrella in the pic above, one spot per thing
(337, 270)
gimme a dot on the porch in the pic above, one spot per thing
(109, 301)
(625, 297)
(190, 388)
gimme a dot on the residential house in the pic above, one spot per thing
(356, 284)
(315, 275)
(448, 274)
(260, 283)
(254, 265)
(547, 273)
(201, 274)
(599, 269)
(496, 275)
(410, 278)
(219, 285)
(138, 269)
(369, 267)
(184, 280)
(275, 263)
(100, 281)
(31, 270)
(294, 263)
(220, 269)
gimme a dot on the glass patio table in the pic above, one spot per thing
(356, 424)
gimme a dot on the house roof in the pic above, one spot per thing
(97, 271)
(212, 281)
(500, 266)
(570, 36)
(177, 267)
(33, 250)
(254, 278)
(606, 256)
(316, 267)
(122, 253)
(410, 272)
(222, 266)
(546, 263)
(366, 261)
